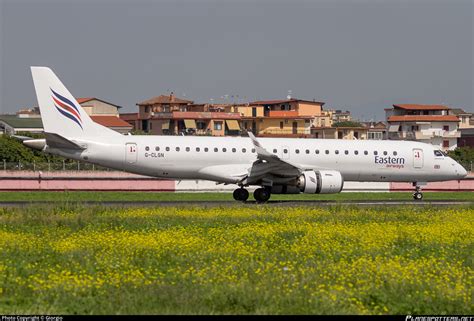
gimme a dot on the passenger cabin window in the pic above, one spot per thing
(188, 149)
(438, 153)
(274, 151)
(234, 150)
(307, 151)
(216, 149)
(244, 150)
(167, 149)
(177, 149)
(346, 152)
(198, 149)
(375, 153)
(327, 152)
(157, 149)
(285, 151)
(366, 152)
(253, 150)
(206, 149)
(224, 150)
(317, 151)
(336, 152)
(385, 153)
(147, 148)
(356, 152)
(297, 151)
(394, 153)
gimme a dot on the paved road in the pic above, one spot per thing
(309, 203)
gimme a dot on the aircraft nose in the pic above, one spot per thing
(460, 171)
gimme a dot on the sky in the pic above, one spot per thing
(357, 55)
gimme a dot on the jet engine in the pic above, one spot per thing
(320, 182)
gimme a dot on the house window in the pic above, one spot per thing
(415, 128)
(201, 125)
(356, 135)
(446, 143)
(281, 125)
(445, 127)
(217, 125)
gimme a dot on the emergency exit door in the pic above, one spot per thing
(131, 153)
(417, 158)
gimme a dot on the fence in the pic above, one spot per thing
(52, 166)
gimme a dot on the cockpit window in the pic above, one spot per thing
(438, 153)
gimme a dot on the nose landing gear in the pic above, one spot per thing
(418, 195)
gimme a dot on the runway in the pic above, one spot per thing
(280, 203)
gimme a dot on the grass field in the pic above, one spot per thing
(258, 260)
(165, 196)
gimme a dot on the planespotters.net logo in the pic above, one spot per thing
(439, 318)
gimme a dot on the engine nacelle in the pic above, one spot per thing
(320, 182)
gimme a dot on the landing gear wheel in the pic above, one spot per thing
(262, 195)
(241, 194)
(417, 196)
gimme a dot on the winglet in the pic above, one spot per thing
(262, 153)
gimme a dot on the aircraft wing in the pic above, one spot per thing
(269, 165)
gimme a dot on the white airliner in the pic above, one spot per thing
(276, 165)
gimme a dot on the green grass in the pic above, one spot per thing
(168, 196)
(67, 259)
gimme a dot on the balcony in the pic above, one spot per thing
(420, 135)
(281, 113)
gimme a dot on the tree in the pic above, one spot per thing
(347, 124)
(463, 155)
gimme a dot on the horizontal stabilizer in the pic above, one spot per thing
(21, 138)
(59, 142)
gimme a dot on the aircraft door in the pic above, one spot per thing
(131, 153)
(285, 152)
(417, 158)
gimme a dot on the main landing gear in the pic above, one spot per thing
(261, 195)
(241, 194)
(418, 195)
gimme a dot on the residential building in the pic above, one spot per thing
(280, 118)
(170, 115)
(324, 119)
(100, 111)
(466, 119)
(376, 130)
(425, 123)
(340, 116)
(340, 132)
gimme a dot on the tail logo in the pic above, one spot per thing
(66, 107)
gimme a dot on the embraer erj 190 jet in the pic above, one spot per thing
(275, 165)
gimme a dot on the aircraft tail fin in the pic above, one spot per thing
(60, 112)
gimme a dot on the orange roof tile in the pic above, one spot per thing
(421, 107)
(165, 99)
(423, 118)
(81, 100)
(110, 121)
